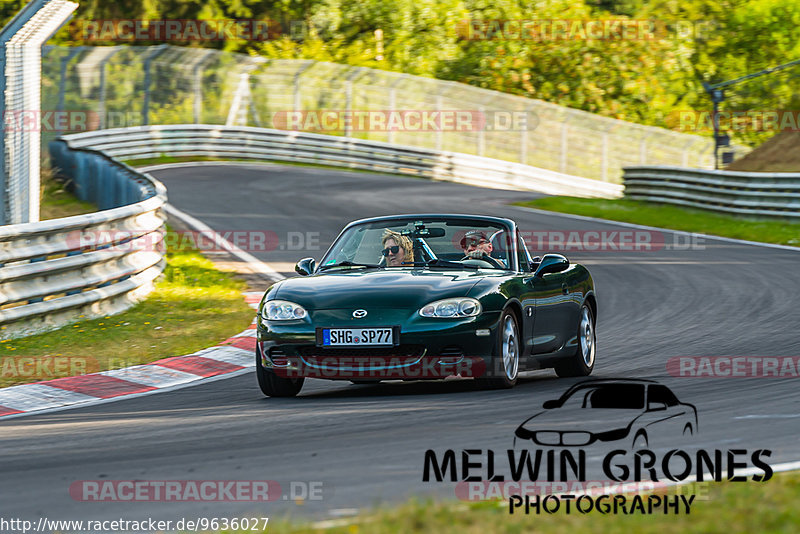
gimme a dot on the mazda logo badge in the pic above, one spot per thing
(358, 314)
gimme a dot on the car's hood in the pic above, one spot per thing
(581, 419)
(390, 288)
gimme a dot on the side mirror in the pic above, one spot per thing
(656, 406)
(552, 263)
(549, 405)
(305, 266)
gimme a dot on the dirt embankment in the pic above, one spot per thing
(779, 154)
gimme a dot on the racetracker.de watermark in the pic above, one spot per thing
(405, 120)
(175, 30)
(46, 367)
(750, 120)
(61, 121)
(543, 241)
(49, 120)
(734, 366)
(552, 29)
(377, 367)
(204, 241)
(195, 490)
(488, 490)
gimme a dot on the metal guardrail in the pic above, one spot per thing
(250, 143)
(744, 193)
(87, 265)
(123, 86)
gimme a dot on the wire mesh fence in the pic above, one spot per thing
(21, 40)
(107, 87)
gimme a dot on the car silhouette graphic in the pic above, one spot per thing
(606, 410)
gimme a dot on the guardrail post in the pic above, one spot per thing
(393, 105)
(62, 86)
(562, 160)
(101, 103)
(197, 86)
(439, 132)
(523, 139)
(154, 52)
(242, 99)
(197, 93)
(296, 95)
(643, 150)
(348, 105)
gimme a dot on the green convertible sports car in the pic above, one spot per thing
(414, 297)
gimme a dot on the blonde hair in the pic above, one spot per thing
(401, 240)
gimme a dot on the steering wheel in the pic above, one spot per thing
(486, 259)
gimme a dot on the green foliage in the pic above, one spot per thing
(641, 80)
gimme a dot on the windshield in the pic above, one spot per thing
(619, 396)
(445, 243)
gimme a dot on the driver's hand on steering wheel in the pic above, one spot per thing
(482, 255)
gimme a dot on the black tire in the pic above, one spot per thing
(582, 362)
(504, 369)
(273, 385)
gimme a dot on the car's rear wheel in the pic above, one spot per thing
(273, 385)
(505, 363)
(582, 362)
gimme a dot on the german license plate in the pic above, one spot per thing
(337, 337)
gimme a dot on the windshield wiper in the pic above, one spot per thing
(350, 264)
(436, 262)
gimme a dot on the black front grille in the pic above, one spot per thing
(451, 351)
(400, 351)
(278, 356)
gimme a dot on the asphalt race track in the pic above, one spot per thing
(366, 443)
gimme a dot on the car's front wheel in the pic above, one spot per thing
(582, 362)
(505, 363)
(273, 385)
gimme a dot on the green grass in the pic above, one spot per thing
(57, 202)
(728, 508)
(193, 306)
(677, 218)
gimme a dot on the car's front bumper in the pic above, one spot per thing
(426, 348)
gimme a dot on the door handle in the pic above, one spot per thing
(564, 288)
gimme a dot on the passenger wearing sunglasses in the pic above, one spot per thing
(397, 249)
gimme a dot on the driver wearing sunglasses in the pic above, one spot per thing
(397, 249)
(477, 245)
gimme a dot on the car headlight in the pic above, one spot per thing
(282, 310)
(452, 308)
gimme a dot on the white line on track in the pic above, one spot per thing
(770, 416)
(257, 265)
